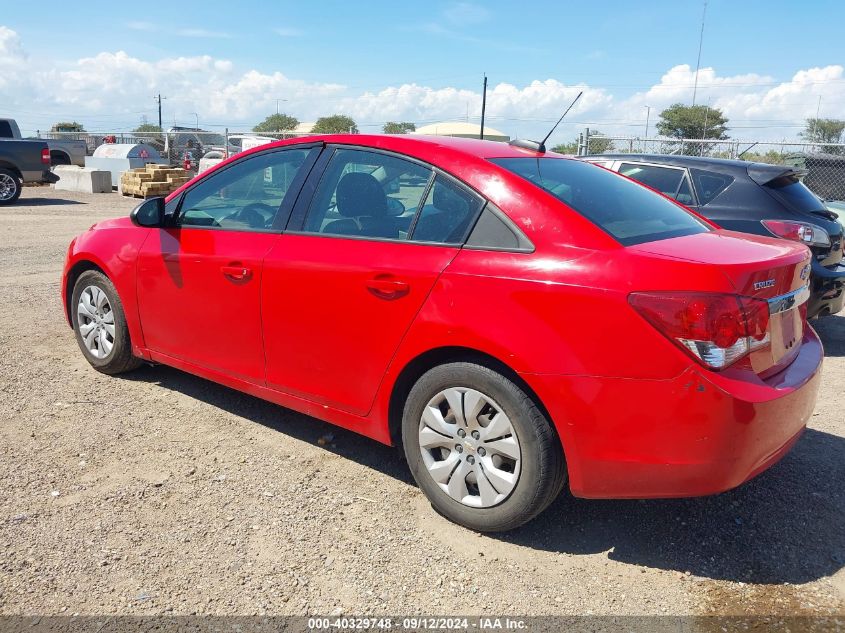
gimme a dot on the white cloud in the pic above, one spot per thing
(286, 31)
(466, 13)
(137, 25)
(112, 90)
(204, 33)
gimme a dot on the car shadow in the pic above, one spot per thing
(783, 526)
(46, 202)
(348, 444)
(831, 330)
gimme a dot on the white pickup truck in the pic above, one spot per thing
(62, 151)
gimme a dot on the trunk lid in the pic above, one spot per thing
(773, 270)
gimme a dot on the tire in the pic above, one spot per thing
(112, 350)
(59, 158)
(524, 486)
(10, 186)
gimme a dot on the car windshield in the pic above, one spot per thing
(628, 211)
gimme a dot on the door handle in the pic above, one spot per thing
(238, 273)
(387, 288)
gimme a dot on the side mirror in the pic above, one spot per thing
(150, 213)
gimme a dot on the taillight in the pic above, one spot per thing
(715, 329)
(803, 232)
(45, 156)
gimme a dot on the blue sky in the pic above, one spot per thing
(356, 57)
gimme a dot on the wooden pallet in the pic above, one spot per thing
(152, 180)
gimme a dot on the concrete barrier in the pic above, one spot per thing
(84, 179)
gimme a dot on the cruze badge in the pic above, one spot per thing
(805, 272)
(759, 285)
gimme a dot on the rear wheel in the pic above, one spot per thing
(100, 324)
(480, 448)
(59, 158)
(10, 186)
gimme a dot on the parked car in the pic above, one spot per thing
(62, 151)
(194, 142)
(517, 321)
(23, 162)
(753, 198)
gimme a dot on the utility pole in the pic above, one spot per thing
(698, 63)
(816, 120)
(483, 106)
(159, 98)
(277, 104)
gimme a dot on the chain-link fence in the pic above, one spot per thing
(823, 165)
(177, 143)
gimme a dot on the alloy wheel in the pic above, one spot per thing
(8, 187)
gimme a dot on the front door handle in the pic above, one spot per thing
(387, 288)
(236, 272)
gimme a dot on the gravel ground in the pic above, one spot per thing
(159, 492)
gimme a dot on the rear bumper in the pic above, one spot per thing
(698, 434)
(828, 290)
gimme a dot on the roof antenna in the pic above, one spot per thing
(541, 146)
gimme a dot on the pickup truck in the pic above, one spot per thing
(20, 162)
(62, 151)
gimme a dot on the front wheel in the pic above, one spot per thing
(10, 186)
(100, 324)
(480, 448)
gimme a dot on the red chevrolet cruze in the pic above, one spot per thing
(516, 320)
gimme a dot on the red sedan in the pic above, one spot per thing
(516, 320)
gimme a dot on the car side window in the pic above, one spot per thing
(367, 194)
(447, 213)
(685, 193)
(664, 179)
(708, 185)
(245, 196)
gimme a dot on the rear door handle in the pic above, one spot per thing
(238, 273)
(387, 288)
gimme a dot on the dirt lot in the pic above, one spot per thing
(159, 492)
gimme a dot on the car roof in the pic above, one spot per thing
(418, 144)
(760, 173)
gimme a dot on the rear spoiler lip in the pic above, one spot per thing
(763, 174)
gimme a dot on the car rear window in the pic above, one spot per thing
(628, 211)
(792, 192)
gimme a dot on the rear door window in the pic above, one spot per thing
(367, 194)
(666, 180)
(630, 213)
(447, 213)
(5, 130)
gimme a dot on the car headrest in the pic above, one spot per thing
(448, 201)
(360, 194)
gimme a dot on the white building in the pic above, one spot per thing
(462, 129)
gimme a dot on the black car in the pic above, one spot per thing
(752, 198)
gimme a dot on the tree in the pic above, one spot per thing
(66, 126)
(276, 123)
(335, 124)
(392, 127)
(597, 145)
(150, 133)
(692, 122)
(566, 148)
(822, 131)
